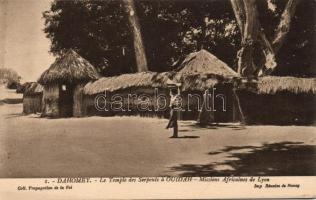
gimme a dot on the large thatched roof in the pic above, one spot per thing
(141, 79)
(32, 88)
(69, 68)
(274, 84)
(203, 62)
(189, 82)
(202, 70)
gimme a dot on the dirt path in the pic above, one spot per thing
(132, 146)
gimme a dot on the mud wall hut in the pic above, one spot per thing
(200, 72)
(127, 94)
(61, 81)
(279, 101)
(32, 98)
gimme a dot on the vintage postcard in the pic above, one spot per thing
(157, 99)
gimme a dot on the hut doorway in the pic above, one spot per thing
(66, 93)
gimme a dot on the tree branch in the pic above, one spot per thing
(279, 37)
(239, 11)
(284, 25)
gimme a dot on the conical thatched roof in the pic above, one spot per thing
(203, 62)
(69, 68)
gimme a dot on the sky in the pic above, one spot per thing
(23, 44)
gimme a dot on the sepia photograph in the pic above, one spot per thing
(157, 88)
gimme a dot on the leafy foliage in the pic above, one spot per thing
(99, 31)
(298, 55)
(9, 77)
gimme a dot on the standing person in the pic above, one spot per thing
(173, 120)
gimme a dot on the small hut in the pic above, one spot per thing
(279, 100)
(62, 81)
(32, 97)
(201, 71)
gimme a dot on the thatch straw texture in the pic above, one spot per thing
(141, 79)
(199, 71)
(69, 68)
(32, 88)
(197, 82)
(203, 62)
(274, 84)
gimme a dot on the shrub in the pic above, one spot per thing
(10, 78)
(13, 84)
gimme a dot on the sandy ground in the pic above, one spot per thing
(131, 146)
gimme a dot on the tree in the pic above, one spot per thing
(296, 56)
(100, 31)
(247, 17)
(139, 48)
(173, 29)
(97, 30)
(9, 77)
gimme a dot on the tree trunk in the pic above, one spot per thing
(250, 28)
(139, 48)
(284, 25)
(247, 19)
(201, 39)
(279, 37)
(239, 12)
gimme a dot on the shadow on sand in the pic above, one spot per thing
(189, 127)
(186, 137)
(276, 159)
(14, 115)
(11, 101)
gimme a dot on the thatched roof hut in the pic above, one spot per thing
(62, 81)
(199, 71)
(136, 83)
(32, 97)
(141, 79)
(70, 68)
(278, 100)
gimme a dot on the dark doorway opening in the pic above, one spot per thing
(66, 100)
(223, 103)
